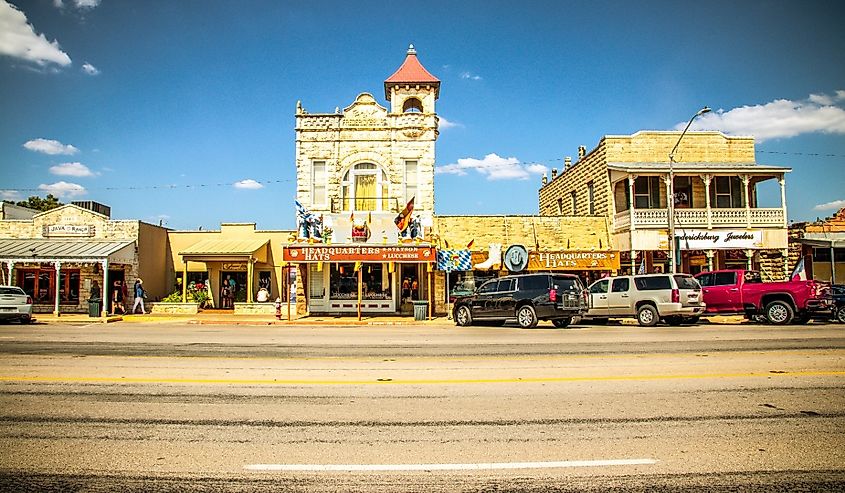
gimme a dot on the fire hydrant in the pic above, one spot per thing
(278, 308)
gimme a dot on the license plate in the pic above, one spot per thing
(7, 309)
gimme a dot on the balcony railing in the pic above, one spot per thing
(697, 218)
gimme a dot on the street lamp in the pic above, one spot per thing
(672, 252)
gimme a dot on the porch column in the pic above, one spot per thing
(631, 179)
(785, 254)
(104, 311)
(249, 271)
(58, 265)
(707, 179)
(832, 265)
(184, 280)
(11, 267)
(710, 254)
(782, 183)
(746, 181)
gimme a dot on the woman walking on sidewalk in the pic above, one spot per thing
(139, 296)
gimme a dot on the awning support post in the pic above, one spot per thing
(104, 306)
(58, 287)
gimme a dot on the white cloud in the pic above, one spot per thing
(86, 4)
(782, 118)
(63, 189)
(248, 184)
(829, 206)
(50, 147)
(9, 195)
(445, 124)
(470, 76)
(493, 167)
(90, 69)
(72, 169)
(18, 39)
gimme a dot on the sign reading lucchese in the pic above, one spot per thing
(573, 260)
(51, 230)
(719, 239)
(358, 254)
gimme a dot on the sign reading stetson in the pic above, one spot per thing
(573, 260)
(323, 253)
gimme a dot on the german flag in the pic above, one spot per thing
(404, 218)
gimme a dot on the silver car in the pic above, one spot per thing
(673, 298)
(15, 304)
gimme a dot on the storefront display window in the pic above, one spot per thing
(40, 284)
(375, 282)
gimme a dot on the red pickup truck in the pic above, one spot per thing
(781, 303)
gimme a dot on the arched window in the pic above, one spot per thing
(365, 188)
(412, 105)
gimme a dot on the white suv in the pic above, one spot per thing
(673, 298)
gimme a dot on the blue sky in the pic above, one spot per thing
(158, 108)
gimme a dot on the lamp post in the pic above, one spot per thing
(671, 205)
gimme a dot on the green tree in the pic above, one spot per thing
(39, 204)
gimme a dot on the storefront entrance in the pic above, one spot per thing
(236, 283)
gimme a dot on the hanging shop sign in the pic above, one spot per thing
(234, 267)
(76, 230)
(573, 260)
(358, 254)
(719, 239)
(516, 258)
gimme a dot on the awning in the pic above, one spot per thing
(823, 243)
(48, 250)
(214, 249)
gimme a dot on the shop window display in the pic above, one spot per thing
(375, 282)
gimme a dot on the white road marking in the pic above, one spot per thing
(448, 467)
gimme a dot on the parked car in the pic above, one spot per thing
(529, 298)
(838, 294)
(744, 292)
(15, 304)
(673, 298)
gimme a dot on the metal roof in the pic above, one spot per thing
(224, 247)
(697, 167)
(37, 249)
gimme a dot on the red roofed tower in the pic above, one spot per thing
(412, 88)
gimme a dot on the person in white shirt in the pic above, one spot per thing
(263, 296)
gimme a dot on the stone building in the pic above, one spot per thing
(58, 256)
(822, 246)
(357, 169)
(718, 223)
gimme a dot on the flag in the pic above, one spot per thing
(642, 266)
(302, 212)
(404, 218)
(469, 245)
(800, 273)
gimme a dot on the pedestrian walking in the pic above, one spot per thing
(139, 296)
(117, 297)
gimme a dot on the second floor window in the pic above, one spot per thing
(365, 188)
(590, 202)
(318, 183)
(574, 198)
(647, 192)
(726, 192)
(410, 181)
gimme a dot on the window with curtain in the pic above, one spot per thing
(410, 180)
(318, 183)
(365, 192)
(647, 192)
(364, 188)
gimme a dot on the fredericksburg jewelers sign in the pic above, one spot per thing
(719, 239)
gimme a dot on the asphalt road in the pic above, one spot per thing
(141, 407)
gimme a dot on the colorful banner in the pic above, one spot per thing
(573, 260)
(325, 253)
(454, 260)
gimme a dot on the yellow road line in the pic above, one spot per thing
(387, 381)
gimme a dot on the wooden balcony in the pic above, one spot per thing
(699, 218)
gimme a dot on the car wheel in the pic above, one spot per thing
(463, 316)
(647, 316)
(779, 313)
(675, 320)
(692, 320)
(26, 319)
(562, 322)
(526, 317)
(839, 315)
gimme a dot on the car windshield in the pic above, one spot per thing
(567, 283)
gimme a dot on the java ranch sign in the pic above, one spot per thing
(719, 239)
(52, 230)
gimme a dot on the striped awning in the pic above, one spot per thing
(50, 249)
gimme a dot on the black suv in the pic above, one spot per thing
(529, 298)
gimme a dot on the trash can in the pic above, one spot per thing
(420, 309)
(94, 307)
